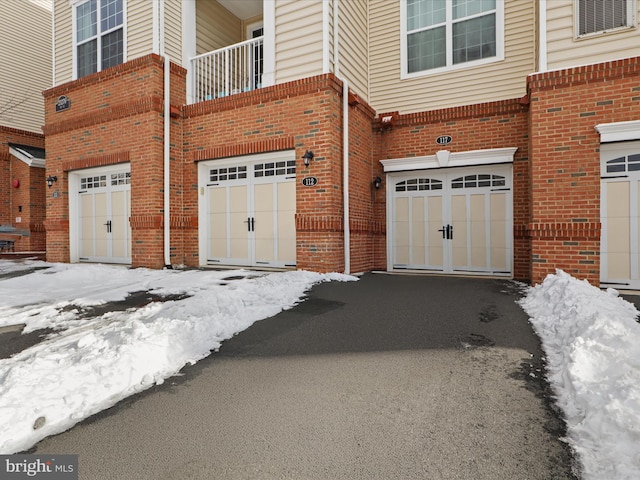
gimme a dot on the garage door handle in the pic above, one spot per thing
(447, 232)
(251, 223)
(108, 225)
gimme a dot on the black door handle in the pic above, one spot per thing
(447, 232)
(251, 222)
(108, 225)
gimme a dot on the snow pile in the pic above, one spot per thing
(90, 364)
(592, 343)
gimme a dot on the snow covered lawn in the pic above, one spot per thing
(591, 340)
(89, 364)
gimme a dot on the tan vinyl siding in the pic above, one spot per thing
(354, 57)
(465, 86)
(173, 31)
(139, 27)
(565, 50)
(216, 27)
(25, 68)
(63, 33)
(298, 39)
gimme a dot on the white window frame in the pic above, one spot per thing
(631, 21)
(404, 73)
(74, 5)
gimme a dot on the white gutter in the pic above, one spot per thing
(542, 36)
(345, 137)
(166, 139)
(326, 67)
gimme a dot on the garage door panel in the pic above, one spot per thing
(87, 226)
(120, 223)
(286, 222)
(498, 228)
(434, 224)
(218, 231)
(478, 237)
(618, 230)
(418, 234)
(460, 239)
(265, 215)
(401, 229)
(101, 218)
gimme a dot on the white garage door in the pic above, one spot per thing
(620, 207)
(247, 211)
(452, 221)
(103, 208)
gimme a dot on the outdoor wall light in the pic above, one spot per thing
(377, 182)
(307, 157)
(51, 180)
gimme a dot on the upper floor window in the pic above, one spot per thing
(441, 34)
(602, 15)
(99, 34)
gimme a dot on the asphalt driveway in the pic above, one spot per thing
(390, 377)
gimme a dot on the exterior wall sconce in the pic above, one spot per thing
(51, 180)
(377, 182)
(307, 157)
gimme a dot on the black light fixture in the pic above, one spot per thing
(377, 182)
(51, 180)
(307, 157)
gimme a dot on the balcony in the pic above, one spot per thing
(227, 71)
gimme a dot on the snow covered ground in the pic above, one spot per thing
(591, 340)
(89, 364)
(590, 337)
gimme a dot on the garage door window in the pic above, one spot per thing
(478, 180)
(416, 184)
(627, 163)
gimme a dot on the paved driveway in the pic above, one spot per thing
(390, 377)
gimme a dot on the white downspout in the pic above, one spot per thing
(542, 36)
(345, 137)
(166, 141)
(325, 37)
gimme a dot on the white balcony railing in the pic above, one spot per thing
(229, 70)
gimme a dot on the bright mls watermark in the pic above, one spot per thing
(49, 467)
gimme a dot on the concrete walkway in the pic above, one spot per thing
(390, 377)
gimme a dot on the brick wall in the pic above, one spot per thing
(475, 127)
(26, 202)
(566, 105)
(301, 115)
(116, 116)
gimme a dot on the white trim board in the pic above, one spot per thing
(445, 158)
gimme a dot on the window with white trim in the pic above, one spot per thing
(441, 34)
(99, 35)
(595, 16)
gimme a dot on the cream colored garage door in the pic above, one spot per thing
(452, 221)
(620, 207)
(248, 211)
(104, 208)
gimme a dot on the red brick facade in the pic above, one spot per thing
(22, 191)
(565, 161)
(117, 116)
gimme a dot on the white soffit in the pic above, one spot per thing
(26, 157)
(444, 158)
(619, 131)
